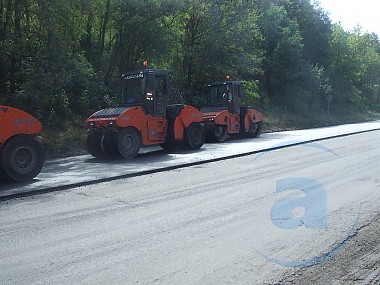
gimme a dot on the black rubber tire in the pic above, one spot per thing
(194, 136)
(168, 145)
(3, 177)
(129, 142)
(255, 129)
(220, 133)
(94, 144)
(22, 158)
(110, 144)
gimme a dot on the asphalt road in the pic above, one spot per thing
(80, 170)
(225, 222)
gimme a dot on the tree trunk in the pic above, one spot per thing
(102, 38)
(15, 53)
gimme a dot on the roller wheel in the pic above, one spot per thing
(168, 145)
(129, 143)
(22, 158)
(194, 136)
(255, 129)
(94, 144)
(220, 133)
(110, 144)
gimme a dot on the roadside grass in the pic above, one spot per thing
(68, 140)
(280, 121)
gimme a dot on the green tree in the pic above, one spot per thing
(354, 68)
(314, 26)
(294, 74)
(283, 54)
(218, 38)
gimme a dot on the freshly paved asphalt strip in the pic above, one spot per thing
(76, 171)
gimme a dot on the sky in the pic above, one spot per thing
(350, 13)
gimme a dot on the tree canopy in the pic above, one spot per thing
(61, 59)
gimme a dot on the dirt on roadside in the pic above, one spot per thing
(357, 263)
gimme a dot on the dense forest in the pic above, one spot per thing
(61, 60)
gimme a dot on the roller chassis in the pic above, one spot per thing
(21, 153)
(123, 130)
(224, 117)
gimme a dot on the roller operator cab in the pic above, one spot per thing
(21, 153)
(143, 118)
(224, 114)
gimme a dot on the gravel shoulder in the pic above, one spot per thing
(358, 263)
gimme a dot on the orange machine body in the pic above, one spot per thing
(233, 121)
(14, 121)
(153, 129)
(224, 114)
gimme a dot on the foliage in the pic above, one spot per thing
(61, 60)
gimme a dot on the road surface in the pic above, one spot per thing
(224, 222)
(70, 172)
